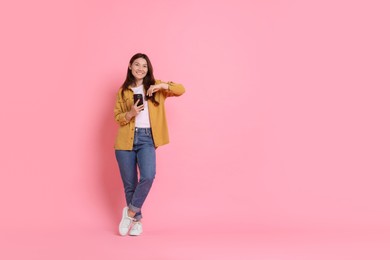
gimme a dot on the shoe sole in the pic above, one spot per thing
(133, 235)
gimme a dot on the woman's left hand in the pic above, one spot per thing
(155, 88)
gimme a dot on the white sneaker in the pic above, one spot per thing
(136, 229)
(125, 224)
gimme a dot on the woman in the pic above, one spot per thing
(142, 128)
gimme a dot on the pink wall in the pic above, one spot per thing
(285, 122)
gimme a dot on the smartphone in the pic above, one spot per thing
(140, 98)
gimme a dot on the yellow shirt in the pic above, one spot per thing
(158, 122)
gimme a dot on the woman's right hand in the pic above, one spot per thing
(134, 111)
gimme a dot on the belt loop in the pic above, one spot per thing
(143, 130)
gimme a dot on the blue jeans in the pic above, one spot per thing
(143, 155)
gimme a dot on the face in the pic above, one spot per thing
(139, 68)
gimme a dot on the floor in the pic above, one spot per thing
(163, 245)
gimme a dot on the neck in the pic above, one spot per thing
(138, 82)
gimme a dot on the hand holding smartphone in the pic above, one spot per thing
(140, 98)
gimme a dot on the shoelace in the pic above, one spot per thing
(137, 225)
(127, 221)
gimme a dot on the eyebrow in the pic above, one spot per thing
(141, 64)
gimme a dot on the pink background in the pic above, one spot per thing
(279, 147)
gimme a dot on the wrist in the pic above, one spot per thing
(128, 116)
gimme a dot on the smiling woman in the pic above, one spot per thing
(143, 127)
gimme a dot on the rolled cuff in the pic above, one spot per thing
(134, 209)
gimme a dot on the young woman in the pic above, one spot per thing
(142, 128)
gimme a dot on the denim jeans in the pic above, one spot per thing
(143, 155)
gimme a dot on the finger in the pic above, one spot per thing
(136, 103)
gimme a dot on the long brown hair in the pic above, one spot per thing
(148, 80)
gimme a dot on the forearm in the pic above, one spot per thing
(129, 115)
(174, 89)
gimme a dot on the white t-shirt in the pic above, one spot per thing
(142, 119)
